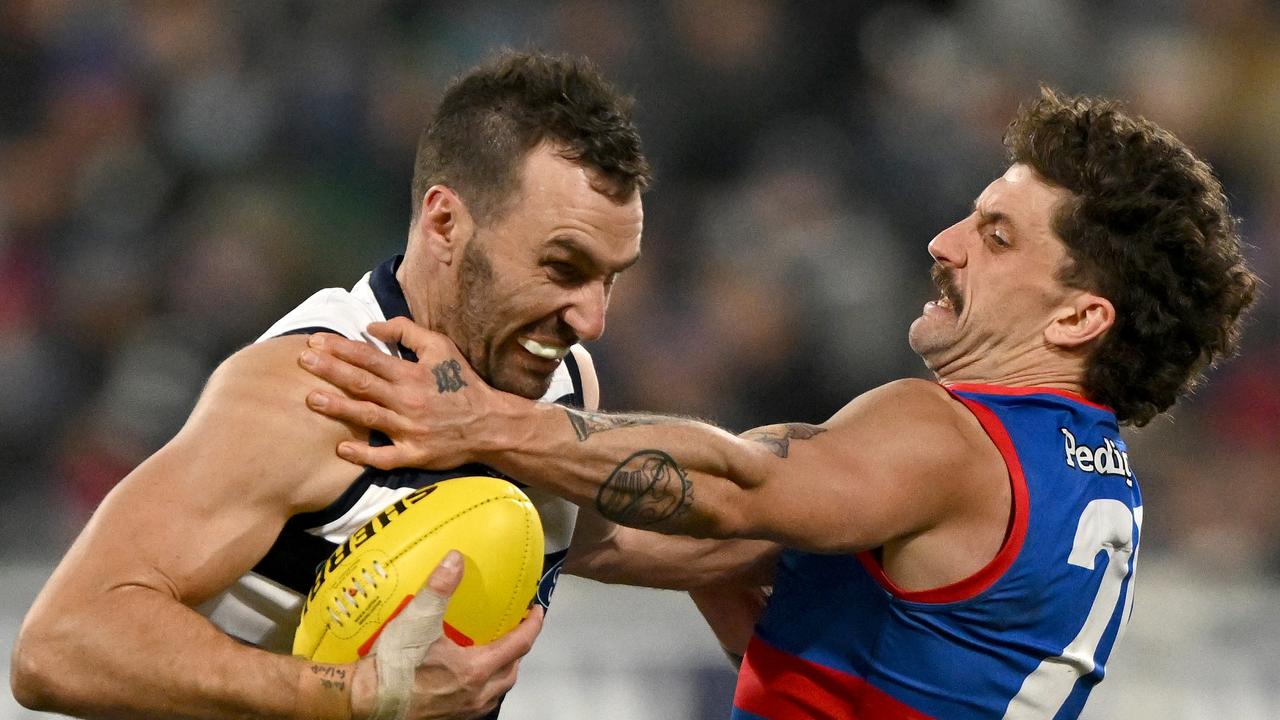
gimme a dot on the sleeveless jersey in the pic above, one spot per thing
(263, 607)
(1028, 636)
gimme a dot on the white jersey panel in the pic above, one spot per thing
(347, 312)
(257, 611)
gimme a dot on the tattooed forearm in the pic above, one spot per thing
(448, 376)
(586, 424)
(778, 437)
(331, 677)
(646, 488)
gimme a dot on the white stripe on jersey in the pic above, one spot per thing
(375, 498)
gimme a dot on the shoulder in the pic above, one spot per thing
(915, 428)
(253, 416)
(261, 380)
(908, 403)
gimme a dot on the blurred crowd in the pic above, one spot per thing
(176, 175)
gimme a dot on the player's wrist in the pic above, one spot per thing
(505, 426)
(325, 692)
(364, 688)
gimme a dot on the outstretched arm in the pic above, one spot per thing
(607, 552)
(857, 481)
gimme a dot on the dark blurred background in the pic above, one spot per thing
(176, 175)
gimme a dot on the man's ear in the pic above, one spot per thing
(444, 224)
(1082, 319)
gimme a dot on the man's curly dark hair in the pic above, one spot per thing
(491, 117)
(1149, 229)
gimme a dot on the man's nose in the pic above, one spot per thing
(948, 248)
(586, 314)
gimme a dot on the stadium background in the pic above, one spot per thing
(175, 175)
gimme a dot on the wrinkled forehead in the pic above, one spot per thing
(1026, 202)
(558, 196)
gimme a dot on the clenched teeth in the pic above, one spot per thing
(550, 352)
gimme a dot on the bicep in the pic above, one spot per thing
(207, 506)
(172, 527)
(865, 477)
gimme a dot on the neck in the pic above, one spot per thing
(425, 302)
(1044, 367)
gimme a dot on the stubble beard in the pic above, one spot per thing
(476, 309)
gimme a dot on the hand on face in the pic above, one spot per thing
(428, 409)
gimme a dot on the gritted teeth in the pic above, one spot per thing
(550, 352)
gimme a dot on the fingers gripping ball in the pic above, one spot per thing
(371, 577)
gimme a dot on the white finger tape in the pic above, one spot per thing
(400, 649)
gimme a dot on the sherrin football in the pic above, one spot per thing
(375, 573)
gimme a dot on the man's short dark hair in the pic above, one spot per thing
(493, 116)
(1149, 229)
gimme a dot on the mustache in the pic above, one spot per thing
(945, 279)
(556, 329)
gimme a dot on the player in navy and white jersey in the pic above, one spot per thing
(526, 207)
(263, 607)
(960, 549)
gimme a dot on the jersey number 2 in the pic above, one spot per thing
(1105, 525)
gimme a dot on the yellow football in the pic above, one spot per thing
(370, 577)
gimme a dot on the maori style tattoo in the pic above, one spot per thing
(448, 376)
(646, 488)
(778, 437)
(586, 424)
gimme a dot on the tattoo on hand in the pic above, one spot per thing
(778, 437)
(646, 488)
(448, 376)
(586, 424)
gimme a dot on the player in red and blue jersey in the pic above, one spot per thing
(958, 549)
(1028, 633)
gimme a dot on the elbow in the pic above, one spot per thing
(37, 672)
(726, 524)
(30, 678)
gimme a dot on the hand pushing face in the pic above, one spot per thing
(537, 279)
(429, 409)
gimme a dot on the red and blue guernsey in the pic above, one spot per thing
(1028, 636)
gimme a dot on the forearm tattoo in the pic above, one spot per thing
(332, 678)
(586, 424)
(448, 376)
(778, 437)
(646, 488)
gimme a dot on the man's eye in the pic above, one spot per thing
(998, 239)
(563, 272)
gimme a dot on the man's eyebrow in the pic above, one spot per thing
(580, 253)
(992, 216)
